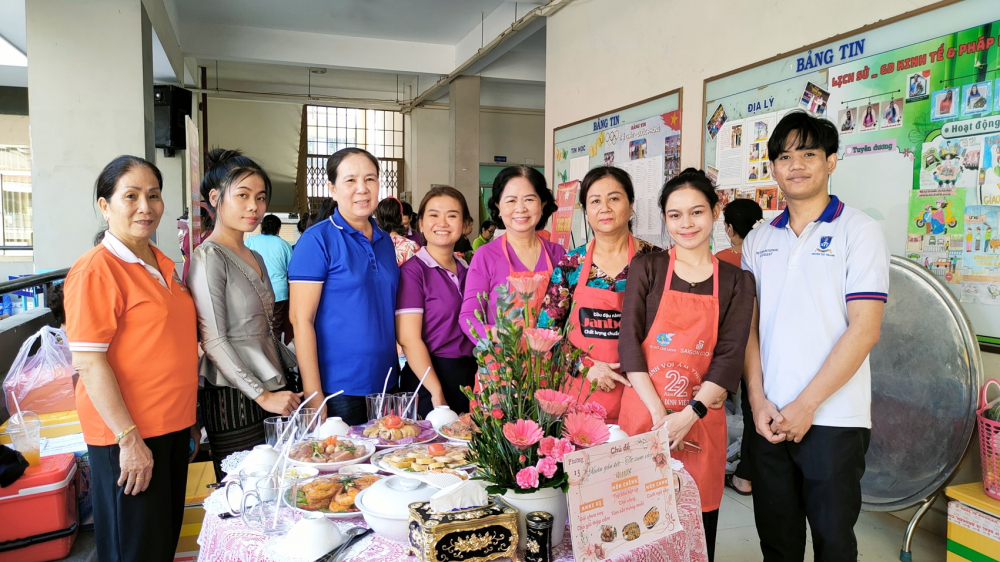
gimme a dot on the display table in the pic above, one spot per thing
(228, 540)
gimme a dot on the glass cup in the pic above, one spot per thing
(306, 422)
(400, 402)
(379, 405)
(273, 428)
(245, 482)
(273, 513)
(25, 431)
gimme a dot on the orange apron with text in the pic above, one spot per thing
(597, 321)
(678, 351)
(539, 296)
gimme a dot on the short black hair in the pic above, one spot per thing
(693, 178)
(601, 172)
(808, 131)
(486, 224)
(537, 181)
(270, 225)
(388, 216)
(55, 302)
(108, 179)
(742, 215)
(337, 157)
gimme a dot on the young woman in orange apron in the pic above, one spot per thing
(595, 322)
(678, 346)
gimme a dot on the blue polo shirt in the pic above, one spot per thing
(355, 322)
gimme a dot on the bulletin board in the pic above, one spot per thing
(917, 103)
(644, 139)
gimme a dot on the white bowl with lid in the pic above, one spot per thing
(311, 538)
(386, 505)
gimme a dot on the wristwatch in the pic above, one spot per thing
(698, 408)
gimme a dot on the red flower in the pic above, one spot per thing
(497, 413)
(472, 405)
(588, 362)
(522, 458)
(543, 382)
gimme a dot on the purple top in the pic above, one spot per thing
(489, 270)
(429, 289)
(416, 237)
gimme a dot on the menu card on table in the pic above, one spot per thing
(621, 495)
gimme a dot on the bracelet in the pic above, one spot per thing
(124, 432)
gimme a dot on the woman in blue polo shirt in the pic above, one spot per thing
(427, 305)
(343, 279)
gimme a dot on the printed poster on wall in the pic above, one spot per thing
(934, 234)
(643, 140)
(622, 495)
(562, 219)
(981, 255)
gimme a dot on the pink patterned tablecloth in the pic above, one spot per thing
(228, 540)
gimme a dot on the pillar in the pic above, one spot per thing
(463, 100)
(90, 80)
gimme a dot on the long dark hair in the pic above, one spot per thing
(226, 167)
(537, 181)
(109, 177)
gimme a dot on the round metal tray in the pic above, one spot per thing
(925, 384)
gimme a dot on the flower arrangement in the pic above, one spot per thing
(526, 421)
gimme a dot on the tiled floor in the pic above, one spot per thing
(880, 536)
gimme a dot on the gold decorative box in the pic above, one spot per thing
(476, 534)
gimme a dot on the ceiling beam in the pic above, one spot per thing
(277, 46)
(165, 32)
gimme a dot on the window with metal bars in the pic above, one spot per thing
(16, 228)
(329, 129)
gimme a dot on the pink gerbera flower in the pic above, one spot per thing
(527, 478)
(526, 285)
(541, 340)
(553, 402)
(585, 430)
(522, 433)
(594, 409)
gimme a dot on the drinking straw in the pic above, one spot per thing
(17, 406)
(291, 423)
(419, 384)
(322, 404)
(385, 385)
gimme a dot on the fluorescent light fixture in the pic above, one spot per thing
(10, 55)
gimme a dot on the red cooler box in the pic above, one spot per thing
(39, 512)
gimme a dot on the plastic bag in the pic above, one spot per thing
(43, 382)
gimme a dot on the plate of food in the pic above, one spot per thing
(328, 455)
(448, 458)
(393, 431)
(333, 495)
(459, 431)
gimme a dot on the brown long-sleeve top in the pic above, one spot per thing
(643, 291)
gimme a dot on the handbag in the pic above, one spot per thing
(293, 381)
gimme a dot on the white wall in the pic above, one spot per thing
(267, 132)
(14, 130)
(604, 54)
(518, 136)
(172, 169)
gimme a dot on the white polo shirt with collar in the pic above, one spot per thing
(803, 286)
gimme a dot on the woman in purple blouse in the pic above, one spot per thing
(427, 303)
(522, 203)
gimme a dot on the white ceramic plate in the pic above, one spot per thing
(452, 440)
(370, 445)
(382, 465)
(344, 515)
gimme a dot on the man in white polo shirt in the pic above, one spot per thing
(822, 272)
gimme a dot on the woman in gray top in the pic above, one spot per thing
(243, 362)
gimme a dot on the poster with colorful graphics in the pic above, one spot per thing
(989, 190)
(981, 257)
(622, 495)
(644, 140)
(562, 219)
(934, 233)
(946, 163)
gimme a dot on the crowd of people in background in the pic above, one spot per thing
(366, 276)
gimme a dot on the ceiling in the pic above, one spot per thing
(369, 49)
(443, 22)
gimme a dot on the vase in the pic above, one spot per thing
(549, 500)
